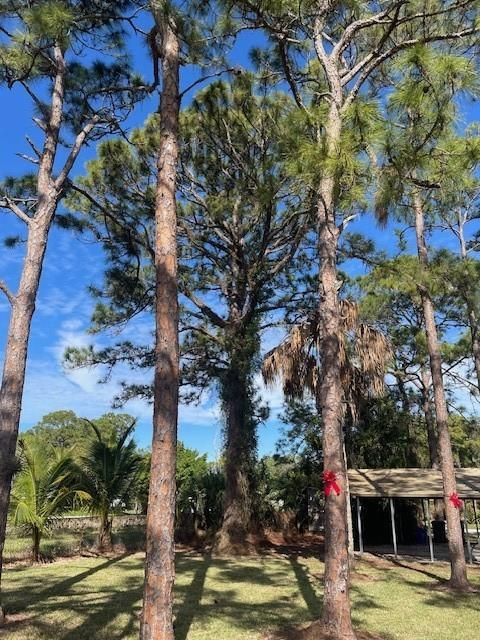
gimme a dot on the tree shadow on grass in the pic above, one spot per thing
(453, 600)
(59, 588)
(100, 615)
(48, 630)
(235, 598)
(229, 600)
(251, 571)
(192, 598)
(48, 613)
(309, 595)
(413, 567)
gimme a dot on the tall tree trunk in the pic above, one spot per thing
(432, 437)
(239, 450)
(458, 576)
(23, 303)
(351, 547)
(14, 366)
(336, 618)
(157, 616)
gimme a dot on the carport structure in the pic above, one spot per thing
(420, 484)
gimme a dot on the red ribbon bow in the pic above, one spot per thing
(330, 480)
(455, 500)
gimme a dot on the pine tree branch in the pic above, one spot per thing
(371, 61)
(75, 150)
(7, 203)
(235, 70)
(38, 103)
(353, 28)
(7, 292)
(289, 73)
(34, 148)
(205, 309)
(143, 241)
(40, 124)
(24, 156)
(428, 15)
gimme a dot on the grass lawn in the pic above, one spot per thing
(241, 599)
(62, 543)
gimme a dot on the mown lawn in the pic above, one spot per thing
(219, 599)
(63, 543)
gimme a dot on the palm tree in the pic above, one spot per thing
(43, 488)
(107, 473)
(363, 355)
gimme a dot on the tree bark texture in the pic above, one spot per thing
(458, 576)
(336, 619)
(23, 303)
(157, 615)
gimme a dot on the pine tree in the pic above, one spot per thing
(335, 50)
(241, 222)
(390, 298)
(457, 204)
(423, 107)
(180, 35)
(40, 42)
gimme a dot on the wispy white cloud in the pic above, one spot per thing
(57, 302)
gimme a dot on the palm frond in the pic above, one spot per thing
(363, 354)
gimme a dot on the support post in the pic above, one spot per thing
(467, 537)
(359, 524)
(351, 550)
(394, 533)
(476, 519)
(429, 529)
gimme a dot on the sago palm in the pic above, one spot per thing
(43, 489)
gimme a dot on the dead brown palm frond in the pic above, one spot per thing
(363, 356)
(349, 314)
(292, 361)
(373, 351)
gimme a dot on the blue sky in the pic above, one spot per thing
(64, 305)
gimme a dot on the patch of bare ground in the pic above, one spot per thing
(359, 576)
(313, 632)
(378, 562)
(223, 546)
(268, 542)
(292, 544)
(12, 621)
(446, 586)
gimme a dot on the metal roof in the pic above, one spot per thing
(410, 483)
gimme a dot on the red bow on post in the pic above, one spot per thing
(455, 500)
(330, 480)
